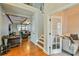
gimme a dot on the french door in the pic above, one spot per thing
(56, 32)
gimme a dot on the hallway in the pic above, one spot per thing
(26, 49)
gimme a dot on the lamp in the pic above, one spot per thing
(27, 22)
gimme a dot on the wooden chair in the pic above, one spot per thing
(4, 46)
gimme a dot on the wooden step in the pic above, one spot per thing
(41, 40)
(42, 45)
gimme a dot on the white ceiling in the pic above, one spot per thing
(19, 13)
(28, 11)
(22, 10)
(54, 7)
(10, 9)
(17, 19)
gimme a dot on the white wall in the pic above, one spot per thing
(0, 19)
(37, 26)
(41, 24)
(34, 33)
(4, 22)
(0, 23)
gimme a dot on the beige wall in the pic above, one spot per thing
(73, 19)
(70, 19)
(64, 21)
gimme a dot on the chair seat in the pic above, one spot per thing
(70, 47)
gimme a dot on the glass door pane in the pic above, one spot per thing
(58, 39)
(54, 41)
(58, 46)
(54, 46)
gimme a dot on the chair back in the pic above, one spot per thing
(4, 40)
(0, 41)
(74, 36)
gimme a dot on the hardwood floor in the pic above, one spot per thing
(26, 49)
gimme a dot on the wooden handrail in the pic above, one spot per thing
(9, 18)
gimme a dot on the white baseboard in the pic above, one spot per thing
(39, 46)
(45, 52)
(42, 48)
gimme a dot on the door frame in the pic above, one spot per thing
(52, 34)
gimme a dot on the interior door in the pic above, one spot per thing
(56, 31)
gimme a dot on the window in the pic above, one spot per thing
(19, 27)
(23, 27)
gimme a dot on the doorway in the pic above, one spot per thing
(55, 33)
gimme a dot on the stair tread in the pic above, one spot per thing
(40, 44)
(41, 40)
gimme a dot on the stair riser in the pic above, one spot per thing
(41, 44)
(41, 40)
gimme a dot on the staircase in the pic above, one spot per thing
(40, 42)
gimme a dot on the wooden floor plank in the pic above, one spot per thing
(26, 49)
